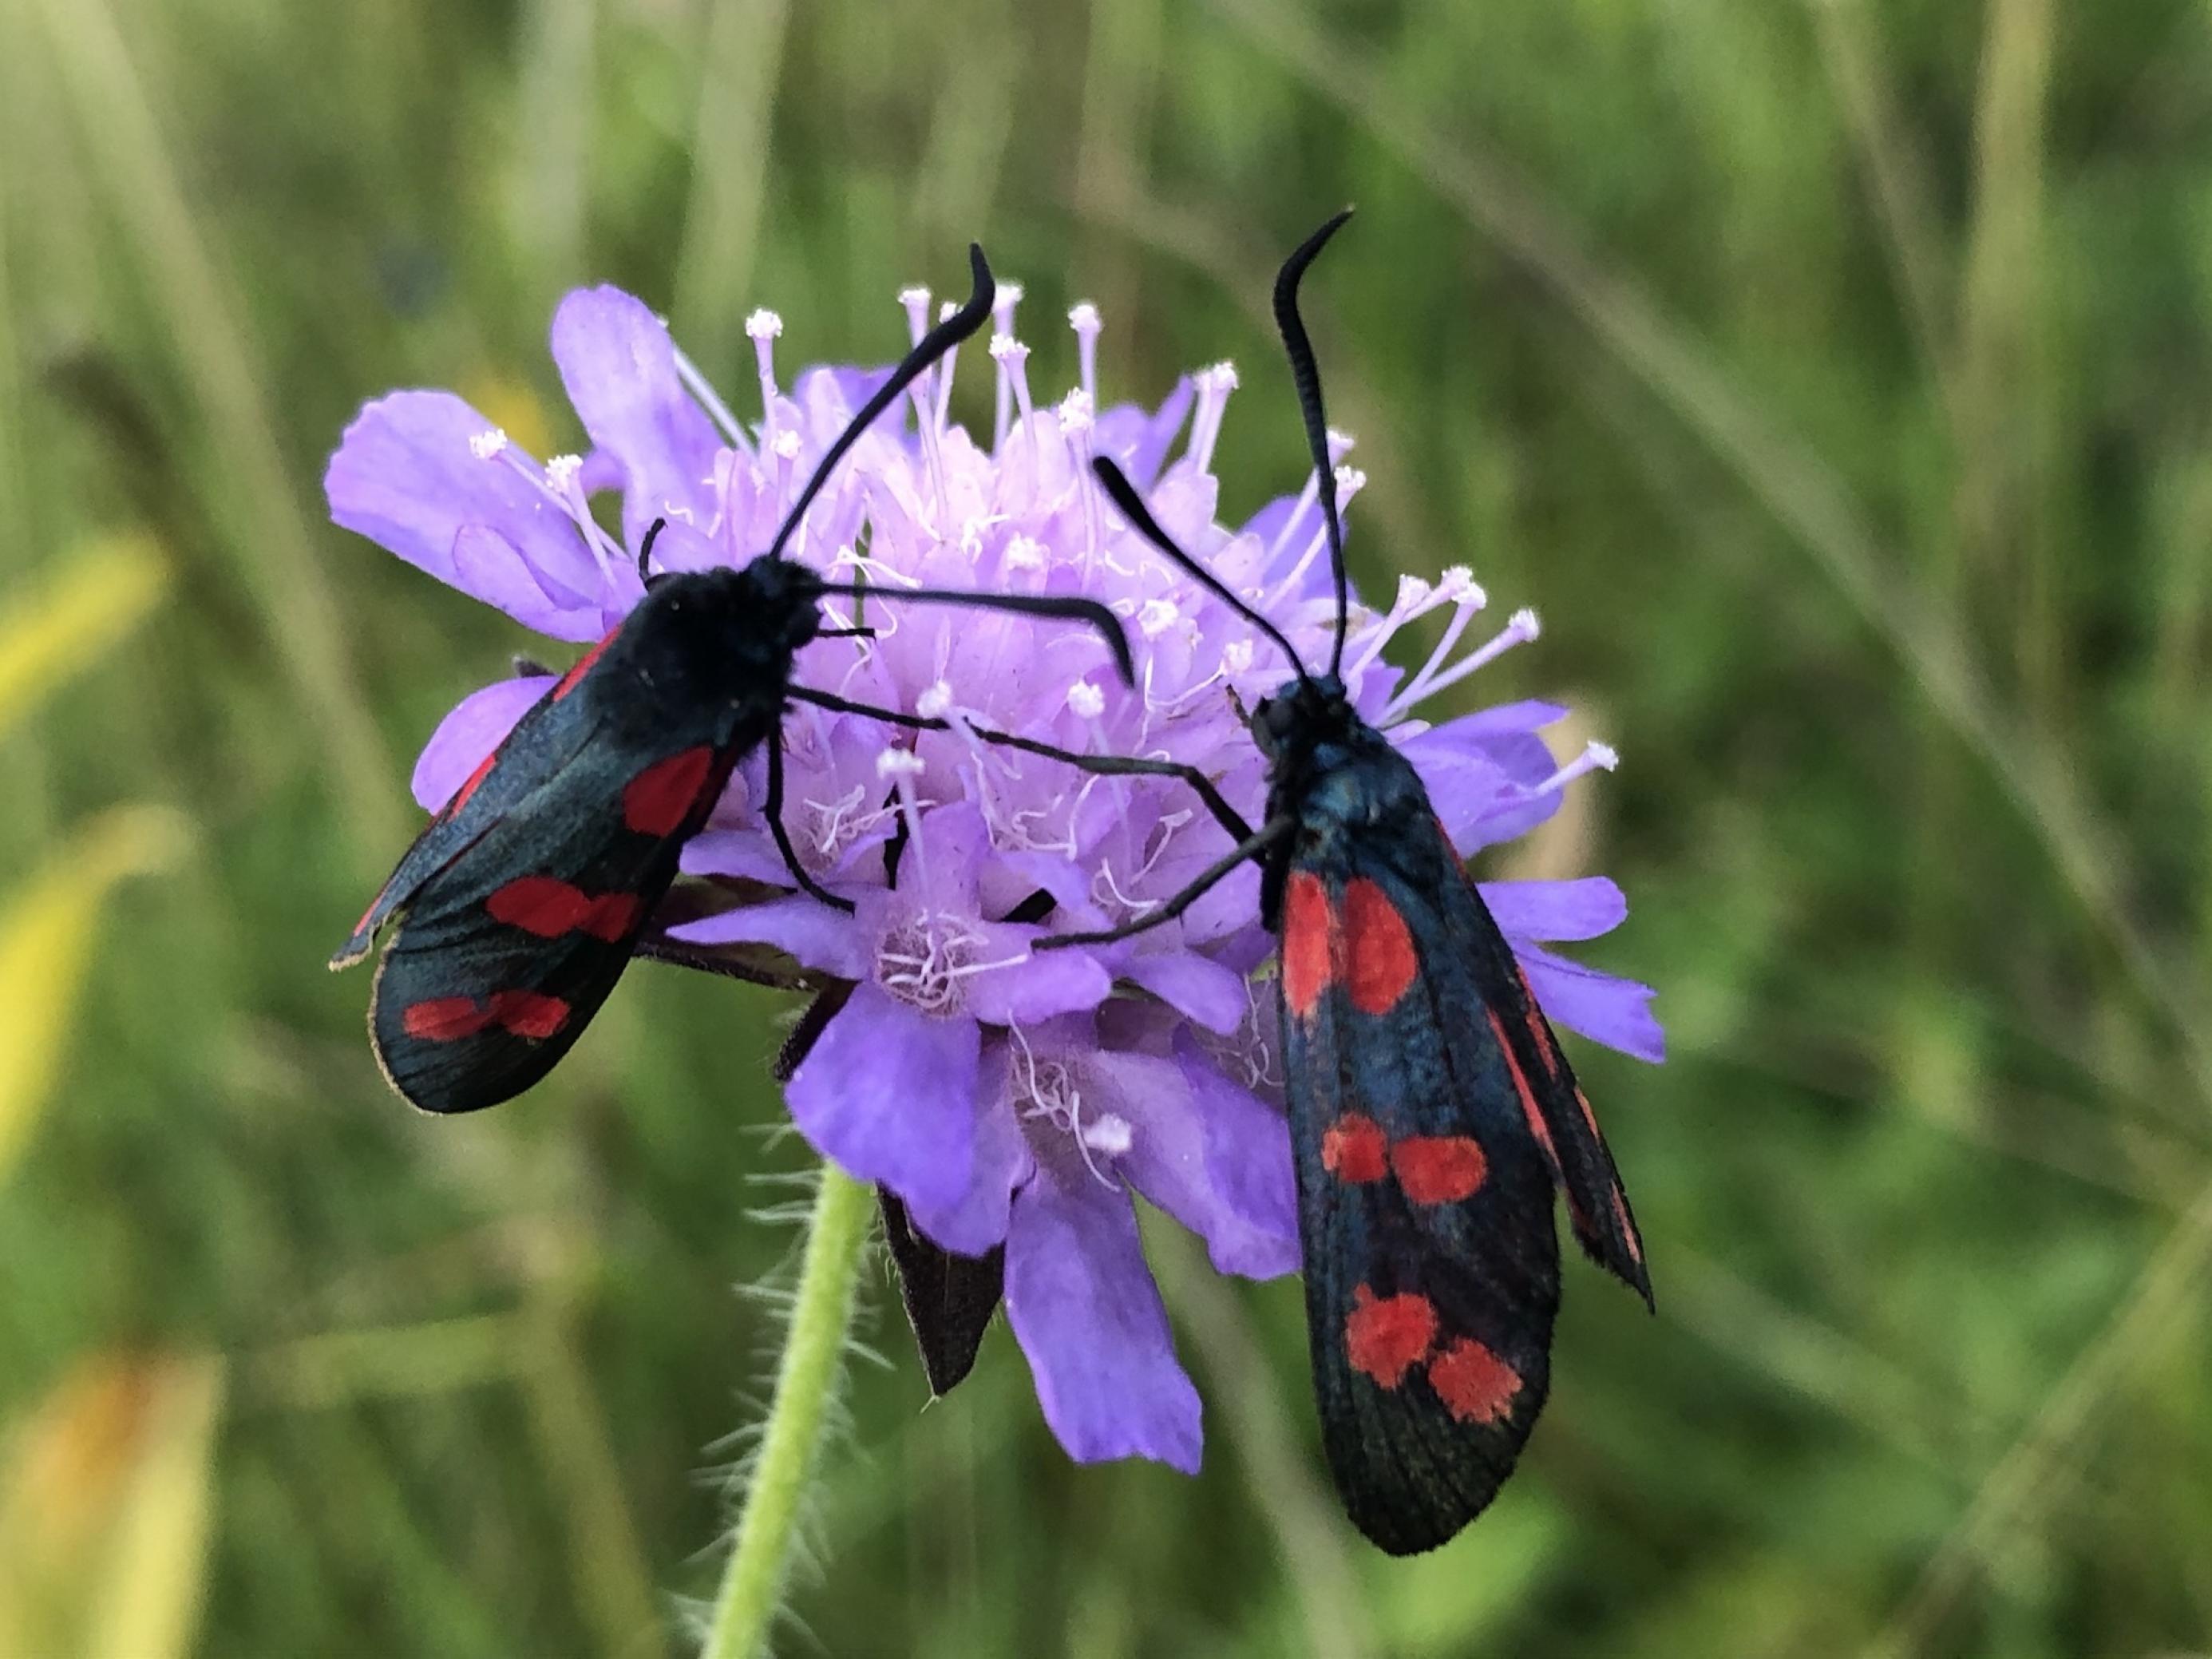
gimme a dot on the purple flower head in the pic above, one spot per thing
(1006, 1097)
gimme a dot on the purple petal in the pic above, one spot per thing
(1191, 984)
(801, 927)
(404, 476)
(1482, 779)
(749, 854)
(1040, 987)
(477, 725)
(1139, 439)
(976, 1220)
(1615, 1012)
(489, 566)
(891, 1095)
(1183, 1141)
(619, 366)
(1083, 1306)
(1555, 909)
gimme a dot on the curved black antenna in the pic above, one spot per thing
(931, 346)
(645, 551)
(1028, 604)
(1140, 520)
(1307, 378)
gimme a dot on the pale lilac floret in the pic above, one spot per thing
(1006, 1097)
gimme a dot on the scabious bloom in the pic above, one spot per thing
(1005, 1096)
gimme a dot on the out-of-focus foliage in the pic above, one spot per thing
(1832, 373)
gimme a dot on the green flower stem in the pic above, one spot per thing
(813, 1356)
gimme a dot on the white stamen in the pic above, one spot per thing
(1214, 384)
(899, 763)
(561, 471)
(1075, 413)
(1024, 553)
(1520, 628)
(1157, 618)
(786, 446)
(1595, 758)
(710, 400)
(944, 371)
(1083, 319)
(485, 445)
(1350, 481)
(1012, 358)
(1086, 699)
(931, 705)
(1237, 656)
(917, 302)
(763, 324)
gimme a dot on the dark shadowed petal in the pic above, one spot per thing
(1182, 1141)
(1615, 1012)
(405, 477)
(977, 1219)
(889, 1094)
(1083, 1306)
(478, 725)
(800, 926)
(619, 366)
(1556, 909)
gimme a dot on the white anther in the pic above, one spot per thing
(787, 444)
(1459, 585)
(914, 297)
(899, 763)
(1603, 755)
(1075, 413)
(1220, 377)
(1350, 480)
(1524, 624)
(1086, 699)
(1157, 618)
(1108, 1133)
(1411, 593)
(1024, 553)
(763, 324)
(561, 471)
(1084, 318)
(485, 445)
(1004, 347)
(931, 704)
(1237, 656)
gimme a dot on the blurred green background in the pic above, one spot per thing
(1832, 373)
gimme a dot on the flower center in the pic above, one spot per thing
(922, 961)
(1046, 1090)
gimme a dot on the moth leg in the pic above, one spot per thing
(1104, 765)
(773, 812)
(1251, 848)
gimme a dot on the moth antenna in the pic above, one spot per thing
(1306, 375)
(645, 576)
(1132, 508)
(1069, 609)
(932, 345)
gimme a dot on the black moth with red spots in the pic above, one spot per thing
(1432, 1112)
(523, 901)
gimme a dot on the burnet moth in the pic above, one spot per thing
(520, 904)
(1432, 1112)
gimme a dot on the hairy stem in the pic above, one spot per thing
(813, 1353)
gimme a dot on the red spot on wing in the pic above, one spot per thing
(657, 799)
(447, 1019)
(1384, 1337)
(549, 907)
(1439, 1169)
(529, 1013)
(469, 784)
(444, 1019)
(1475, 1385)
(1306, 927)
(1352, 1149)
(1380, 946)
(574, 677)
